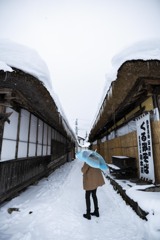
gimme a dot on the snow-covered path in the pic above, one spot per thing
(53, 209)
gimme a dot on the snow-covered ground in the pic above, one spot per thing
(53, 208)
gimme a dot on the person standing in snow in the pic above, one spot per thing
(92, 179)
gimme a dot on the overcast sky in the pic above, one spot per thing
(78, 39)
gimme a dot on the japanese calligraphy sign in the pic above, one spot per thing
(144, 139)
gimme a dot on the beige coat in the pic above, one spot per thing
(92, 177)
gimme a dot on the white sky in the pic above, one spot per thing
(78, 39)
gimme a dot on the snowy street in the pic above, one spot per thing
(79, 75)
(53, 209)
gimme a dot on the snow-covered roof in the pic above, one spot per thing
(14, 55)
(144, 50)
(79, 137)
(85, 145)
(24, 58)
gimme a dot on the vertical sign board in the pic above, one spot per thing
(144, 139)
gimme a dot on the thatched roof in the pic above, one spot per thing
(30, 93)
(135, 80)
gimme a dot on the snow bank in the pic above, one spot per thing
(148, 200)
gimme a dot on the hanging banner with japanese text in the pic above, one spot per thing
(144, 139)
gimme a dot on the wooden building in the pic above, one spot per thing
(34, 136)
(128, 121)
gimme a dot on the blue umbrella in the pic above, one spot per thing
(93, 159)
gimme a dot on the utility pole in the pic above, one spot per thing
(76, 132)
(86, 135)
(76, 127)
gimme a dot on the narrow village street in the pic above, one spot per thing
(79, 82)
(53, 209)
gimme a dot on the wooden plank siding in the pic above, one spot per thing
(127, 145)
(135, 92)
(15, 175)
(155, 129)
(34, 137)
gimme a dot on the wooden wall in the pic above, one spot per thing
(127, 146)
(155, 128)
(121, 146)
(15, 175)
(45, 149)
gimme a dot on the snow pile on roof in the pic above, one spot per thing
(29, 61)
(84, 145)
(5, 67)
(23, 58)
(144, 50)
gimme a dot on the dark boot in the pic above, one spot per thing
(95, 213)
(87, 215)
(95, 200)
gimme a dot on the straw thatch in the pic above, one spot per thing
(25, 91)
(135, 80)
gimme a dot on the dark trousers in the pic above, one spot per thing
(88, 200)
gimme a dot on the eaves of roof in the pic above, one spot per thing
(132, 83)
